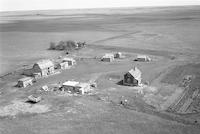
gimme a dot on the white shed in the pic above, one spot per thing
(76, 87)
(24, 82)
(109, 57)
(142, 58)
(70, 61)
(83, 88)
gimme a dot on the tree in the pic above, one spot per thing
(60, 45)
(52, 46)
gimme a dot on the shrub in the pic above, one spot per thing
(66, 45)
(52, 46)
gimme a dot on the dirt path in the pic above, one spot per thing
(116, 37)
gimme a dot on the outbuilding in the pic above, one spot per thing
(76, 87)
(118, 55)
(132, 77)
(34, 99)
(45, 88)
(142, 58)
(63, 65)
(24, 82)
(83, 88)
(69, 86)
(44, 67)
(70, 61)
(109, 57)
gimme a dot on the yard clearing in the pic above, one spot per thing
(21, 107)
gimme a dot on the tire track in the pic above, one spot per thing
(116, 37)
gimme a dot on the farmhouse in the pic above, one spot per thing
(132, 77)
(109, 57)
(118, 55)
(70, 61)
(142, 58)
(75, 87)
(24, 82)
(44, 67)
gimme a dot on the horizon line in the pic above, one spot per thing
(125, 7)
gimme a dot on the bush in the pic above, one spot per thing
(65, 45)
(52, 46)
(60, 45)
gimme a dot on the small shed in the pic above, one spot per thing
(44, 67)
(70, 61)
(142, 58)
(63, 65)
(83, 88)
(45, 88)
(118, 55)
(132, 77)
(109, 57)
(24, 82)
(69, 86)
(76, 87)
(34, 99)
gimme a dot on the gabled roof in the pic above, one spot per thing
(45, 64)
(25, 79)
(63, 63)
(70, 83)
(108, 55)
(142, 56)
(67, 59)
(135, 72)
(118, 53)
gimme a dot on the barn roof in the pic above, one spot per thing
(25, 79)
(45, 64)
(135, 72)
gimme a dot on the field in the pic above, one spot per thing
(169, 35)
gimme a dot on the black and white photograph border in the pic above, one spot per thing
(99, 66)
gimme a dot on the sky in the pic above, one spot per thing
(14, 5)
